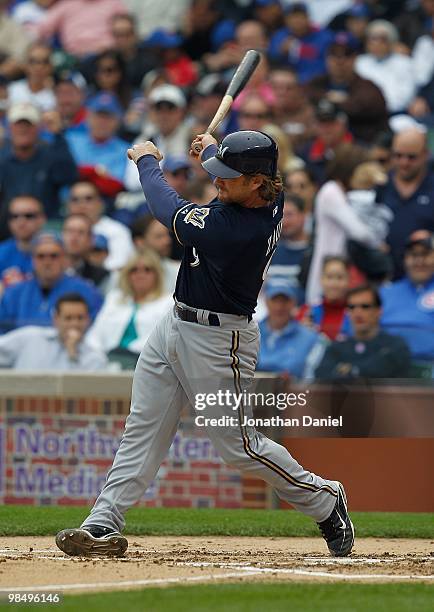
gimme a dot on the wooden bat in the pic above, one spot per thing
(238, 82)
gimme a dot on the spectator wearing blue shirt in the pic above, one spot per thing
(30, 166)
(409, 193)
(286, 345)
(408, 304)
(300, 44)
(98, 152)
(31, 302)
(26, 217)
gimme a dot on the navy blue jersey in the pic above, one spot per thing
(227, 249)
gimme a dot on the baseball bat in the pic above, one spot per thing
(238, 82)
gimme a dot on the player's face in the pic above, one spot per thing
(363, 312)
(334, 281)
(241, 190)
(71, 316)
(419, 263)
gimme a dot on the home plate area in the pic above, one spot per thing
(34, 563)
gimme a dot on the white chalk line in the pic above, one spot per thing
(123, 583)
(313, 573)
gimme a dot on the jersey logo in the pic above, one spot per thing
(276, 208)
(196, 216)
(427, 301)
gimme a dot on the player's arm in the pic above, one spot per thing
(162, 200)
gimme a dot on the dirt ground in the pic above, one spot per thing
(35, 564)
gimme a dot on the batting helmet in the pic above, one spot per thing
(245, 152)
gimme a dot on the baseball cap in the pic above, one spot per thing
(46, 236)
(343, 42)
(358, 10)
(105, 102)
(100, 243)
(165, 39)
(69, 76)
(328, 111)
(211, 84)
(168, 93)
(296, 7)
(280, 286)
(427, 242)
(24, 111)
(172, 163)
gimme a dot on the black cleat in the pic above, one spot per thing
(337, 530)
(92, 541)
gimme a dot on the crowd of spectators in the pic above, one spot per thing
(345, 87)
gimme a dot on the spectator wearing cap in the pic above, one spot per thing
(409, 192)
(60, 347)
(83, 27)
(177, 65)
(78, 240)
(14, 41)
(99, 152)
(165, 127)
(293, 251)
(70, 92)
(408, 304)
(300, 44)
(31, 302)
(331, 132)
(370, 352)
(26, 218)
(361, 100)
(85, 198)
(391, 72)
(286, 346)
(291, 108)
(207, 96)
(32, 167)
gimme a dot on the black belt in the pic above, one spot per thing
(191, 316)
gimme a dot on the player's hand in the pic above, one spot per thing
(200, 143)
(144, 148)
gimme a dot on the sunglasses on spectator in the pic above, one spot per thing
(379, 37)
(83, 198)
(108, 69)
(24, 215)
(247, 115)
(362, 306)
(142, 269)
(36, 60)
(165, 106)
(409, 156)
(52, 255)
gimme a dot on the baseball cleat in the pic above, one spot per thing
(91, 541)
(338, 530)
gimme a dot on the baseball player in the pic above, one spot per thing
(209, 342)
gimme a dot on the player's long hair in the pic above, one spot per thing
(271, 187)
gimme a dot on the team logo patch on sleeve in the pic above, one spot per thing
(196, 216)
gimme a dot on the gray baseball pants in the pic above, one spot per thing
(179, 361)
